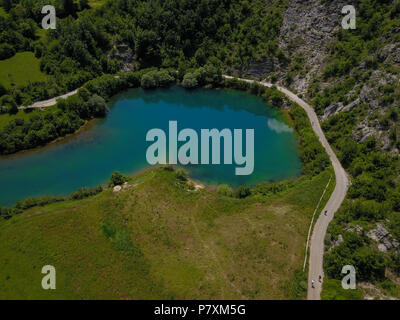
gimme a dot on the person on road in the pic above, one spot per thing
(326, 211)
(312, 283)
(320, 278)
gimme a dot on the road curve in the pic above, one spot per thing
(315, 267)
(50, 102)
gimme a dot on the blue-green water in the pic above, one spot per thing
(118, 142)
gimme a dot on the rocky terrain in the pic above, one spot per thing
(369, 91)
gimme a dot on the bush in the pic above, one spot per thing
(189, 81)
(6, 51)
(164, 79)
(85, 193)
(148, 81)
(242, 192)
(117, 179)
(3, 90)
(181, 174)
(97, 106)
(40, 201)
(168, 167)
(225, 190)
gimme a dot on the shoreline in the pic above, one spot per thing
(60, 140)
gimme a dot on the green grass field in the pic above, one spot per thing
(21, 69)
(157, 239)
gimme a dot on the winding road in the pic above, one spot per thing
(342, 182)
(315, 267)
(50, 102)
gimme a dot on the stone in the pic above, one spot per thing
(382, 248)
(117, 189)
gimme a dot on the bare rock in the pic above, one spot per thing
(259, 70)
(337, 242)
(382, 247)
(124, 54)
(117, 189)
(383, 237)
(378, 233)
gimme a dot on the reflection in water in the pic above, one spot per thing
(278, 126)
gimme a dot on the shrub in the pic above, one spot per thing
(242, 192)
(189, 81)
(168, 167)
(117, 179)
(97, 105)
(148, 81)
(40, 201)
(6, 51)
(84, 93)
(225, 190)
(181, 174)
(85, 193)
(164, 79)
(3, 90)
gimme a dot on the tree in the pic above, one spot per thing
(148, 81)
(242, 192)
(83, 4)
(3, 90)
(225, 190)
(117, 179)
(97, 105)
(181, 174)
(7, 5)
(164, 78)
(189, 80)
(68, 6)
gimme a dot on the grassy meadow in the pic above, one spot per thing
(21, 69)
(158, 239)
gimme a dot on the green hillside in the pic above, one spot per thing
(21, 69)
(144, 242)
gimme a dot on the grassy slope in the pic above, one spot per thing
(146, 243)
(23, 68)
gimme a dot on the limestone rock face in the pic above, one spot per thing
(309, 27)
(259, 70)
(383, 237)
(124, 54)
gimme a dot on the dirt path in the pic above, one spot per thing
(50, 102)
(333, 204)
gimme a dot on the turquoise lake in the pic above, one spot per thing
(118, 142)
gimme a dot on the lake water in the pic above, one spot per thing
(118, 142)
